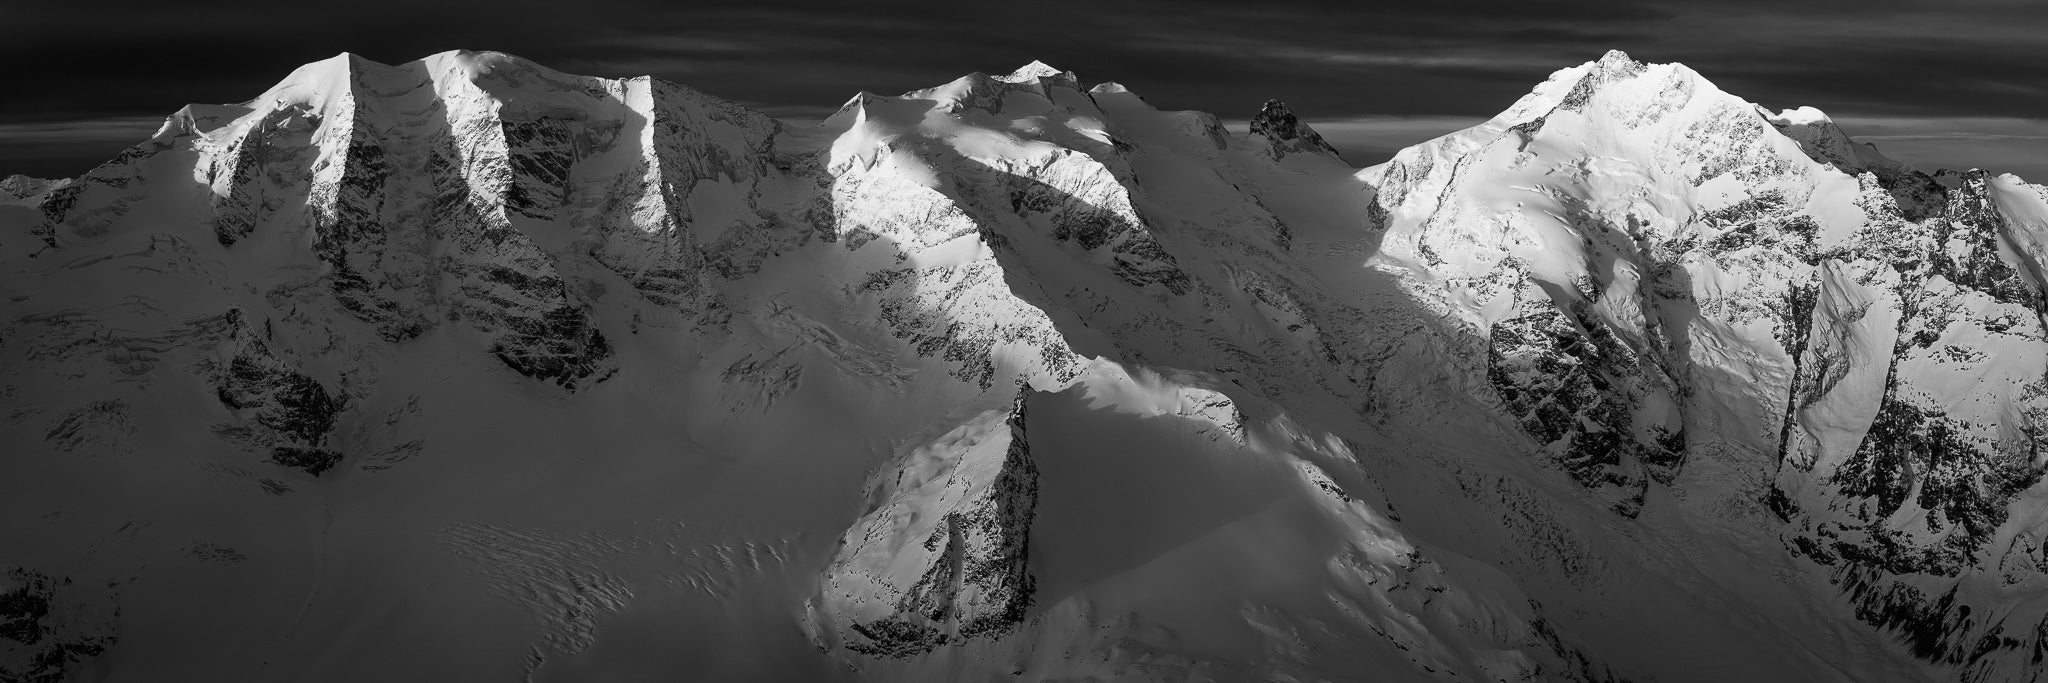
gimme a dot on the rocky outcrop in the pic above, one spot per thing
(1575, 387)
(509, 287)
(1630, 283)
(259, 173)
(279, 408)
(943, 556)
(431, 188)
(1088, 207)
(965, 315)
(21, 190)
(83, 210)
(46, 632)
(1913, 509)
(1285, 133)
(1575, 279)
(643, 226)
(1887, 325)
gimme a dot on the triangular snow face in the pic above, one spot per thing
(1036, 70)
(1006, 378)
(1766, 296)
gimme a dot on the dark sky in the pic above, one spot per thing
(1949, 82)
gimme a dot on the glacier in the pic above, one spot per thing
(470, 369)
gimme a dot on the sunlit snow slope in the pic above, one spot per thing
(468, 369)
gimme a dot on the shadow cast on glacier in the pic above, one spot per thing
(1119, 492)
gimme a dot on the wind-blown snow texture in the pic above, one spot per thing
(467, 369)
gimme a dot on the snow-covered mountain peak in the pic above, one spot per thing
(1616, 63)
(1007, 379)
(482, 63)
(1827, 143)
(1037, 71)
(1110, 87)
(198, 119)
(1719, 251)
(21, 190)
(1644, 145)
(355, 85)
(1593, 198)
(1627, 91)
(318, 86)
(1285, 133)
(992, 94)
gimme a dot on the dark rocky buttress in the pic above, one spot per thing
(1279, 126)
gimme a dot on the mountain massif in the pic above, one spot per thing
(469, 369)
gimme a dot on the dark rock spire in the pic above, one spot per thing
(1278, 125)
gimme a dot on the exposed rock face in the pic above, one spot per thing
(1870, 292)
(21, 190)
(45, 633)
(1278, 125)
(1575, 386)
(1632, 356)
(108, 191)
(450, 189)
(944, 556)
(1922, 505)
(287, 412)
(1584, 284)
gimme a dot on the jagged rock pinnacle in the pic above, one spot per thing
(1278, 125)
(1004, 375)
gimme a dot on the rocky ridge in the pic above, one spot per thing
(1887, 326)
(1630, 308)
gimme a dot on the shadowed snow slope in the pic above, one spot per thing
(468, 369)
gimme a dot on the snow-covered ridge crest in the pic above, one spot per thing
(1717, 259)
(21, 190)
(1014, 377)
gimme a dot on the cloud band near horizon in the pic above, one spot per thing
(1393, 66)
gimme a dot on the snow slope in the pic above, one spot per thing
(470, 369)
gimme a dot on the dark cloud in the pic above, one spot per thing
(76, 63)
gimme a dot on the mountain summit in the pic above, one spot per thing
(1277, 124)
(1015, 378)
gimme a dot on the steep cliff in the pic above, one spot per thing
(1014, 377)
